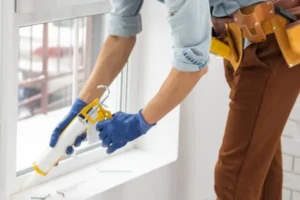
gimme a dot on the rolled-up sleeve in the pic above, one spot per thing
(125, 18)
(190, 22)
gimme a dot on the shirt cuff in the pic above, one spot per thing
(187, 61)
(125, 26)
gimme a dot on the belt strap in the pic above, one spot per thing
(254, 21)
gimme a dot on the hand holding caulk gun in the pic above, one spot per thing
(71, 131)
(117, 130)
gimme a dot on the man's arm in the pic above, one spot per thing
(123, 128)
(191, 55)
(191, 33)
(125, 23)
(111, 60)
(176, 87)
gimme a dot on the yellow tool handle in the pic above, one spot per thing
(101, 114)
(219, 48)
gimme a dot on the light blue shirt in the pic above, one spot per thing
(189, 21)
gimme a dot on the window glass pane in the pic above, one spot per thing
(46, 59)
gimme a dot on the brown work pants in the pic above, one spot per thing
(263, 92)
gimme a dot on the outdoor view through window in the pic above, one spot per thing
(48, 55)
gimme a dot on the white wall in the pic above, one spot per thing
(203, 120)
(291, 155)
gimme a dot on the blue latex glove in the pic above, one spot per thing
(77, 106)
(115, 133)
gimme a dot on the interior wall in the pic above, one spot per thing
(291, 155)
(203, 118)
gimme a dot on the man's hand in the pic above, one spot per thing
(76, 108)
(115, 133)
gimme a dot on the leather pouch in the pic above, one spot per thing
(288, 39)
(293, 33)
(229, 45)
(219, 48)
(235, 42)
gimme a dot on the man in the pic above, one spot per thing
(263, 87)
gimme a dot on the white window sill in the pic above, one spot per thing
(93, 180)
(153, 151)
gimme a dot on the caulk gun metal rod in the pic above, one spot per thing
(92, 110)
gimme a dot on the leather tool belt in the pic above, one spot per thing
(255, 23)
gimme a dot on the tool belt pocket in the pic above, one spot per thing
(220, 47)
(293, 34)
(288, 38)
(229, 44)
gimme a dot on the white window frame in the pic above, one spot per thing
(31, 6)
(11, 21)
(37, 16)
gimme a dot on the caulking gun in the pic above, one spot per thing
(91, 114)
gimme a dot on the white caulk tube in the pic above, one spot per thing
(79, 125)
(52, 156)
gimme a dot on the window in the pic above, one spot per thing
(55, 59)
(53, 54)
